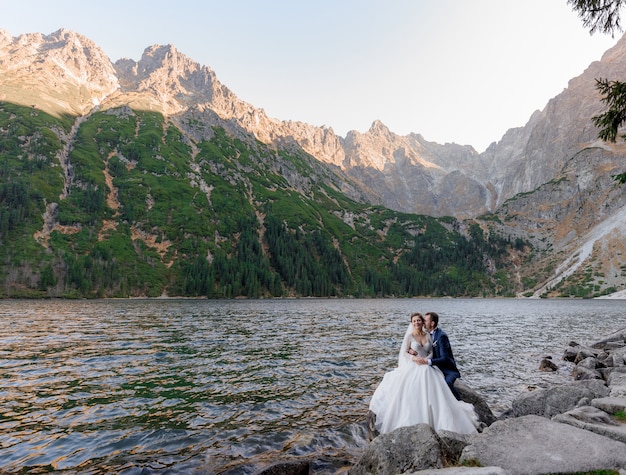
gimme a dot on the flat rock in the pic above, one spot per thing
(594, 420)
(462, 471)
(532, 445)
(610, 405)
(558, 399)
(617, 382)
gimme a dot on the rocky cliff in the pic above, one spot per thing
(405, 173)
(547, 182)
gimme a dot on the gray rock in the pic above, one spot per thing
(618, 336)
(481, 408)
(370, 420)
(584, 353)
(615, 360)
(619, 357)
(462, 471)
(610, 405)
(402, 450)
(287, 468)
(583, 402)
(589, 363)
(571, 351)
(617, 382)
(580, 373)
(586, 414)
(547, 365)
(536, 445)
(452, 445)
(594, 420)
(558, 399)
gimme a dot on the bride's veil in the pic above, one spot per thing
(403, 356)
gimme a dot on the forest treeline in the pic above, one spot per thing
(135, 210)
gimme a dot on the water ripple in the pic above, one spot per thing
(177, 386)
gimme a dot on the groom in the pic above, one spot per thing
(442, 352)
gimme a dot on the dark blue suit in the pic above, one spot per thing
(444, 359)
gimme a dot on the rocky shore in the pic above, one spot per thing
(569, 428)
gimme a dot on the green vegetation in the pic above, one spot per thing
(605, 16)
(140, 210)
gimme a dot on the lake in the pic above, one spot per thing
(202, 386)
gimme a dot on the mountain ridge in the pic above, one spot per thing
(68, 75)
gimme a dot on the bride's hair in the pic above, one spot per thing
(417, 314)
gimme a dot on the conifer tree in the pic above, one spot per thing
(604, 16)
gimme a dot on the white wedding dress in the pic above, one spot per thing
(413, 394)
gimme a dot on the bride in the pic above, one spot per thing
(413, 393)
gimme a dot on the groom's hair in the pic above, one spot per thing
(434, 318)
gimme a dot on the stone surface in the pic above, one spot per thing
(536, 445)
(558, 399)
(610, 405)
(483, 411)
(594, 420)
(287, 468)
(462, 471)
(617, 381)
(403, 450)
(547, 365)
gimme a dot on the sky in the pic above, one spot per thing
(462, 71)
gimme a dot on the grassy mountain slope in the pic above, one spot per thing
(124, 203)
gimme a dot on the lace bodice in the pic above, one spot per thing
(424, 350)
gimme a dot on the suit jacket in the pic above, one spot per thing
(442, 353)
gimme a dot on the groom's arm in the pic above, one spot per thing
(445, 359)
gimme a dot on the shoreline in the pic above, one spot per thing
(577, 427)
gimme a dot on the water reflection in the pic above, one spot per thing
(184, 385)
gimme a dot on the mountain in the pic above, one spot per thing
(154, 169)
(150, 178)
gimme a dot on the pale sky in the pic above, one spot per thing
(462, 71)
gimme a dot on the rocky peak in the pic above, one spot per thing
(59, 73)
(378, 129)
(379, 148)
(173, 78)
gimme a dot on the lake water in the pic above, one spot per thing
(200, 386)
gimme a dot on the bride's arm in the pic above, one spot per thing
(404, 356)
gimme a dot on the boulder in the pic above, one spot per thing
(589, 363)
(482, 410)
(619, 357)
(452, 445)
(370, 421)
(580, 373)
(287, 468)
(547, 365)
(610, 405)
(558, 399)
(618, 337)
(462, 471)
(571, 351)
(617, 382)
(594, 420)
(615, 359)
(585, 352)
(536, 445)
(402, 450)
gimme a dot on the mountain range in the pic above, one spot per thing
(536, 214)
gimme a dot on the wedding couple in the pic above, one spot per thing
(421, 389)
